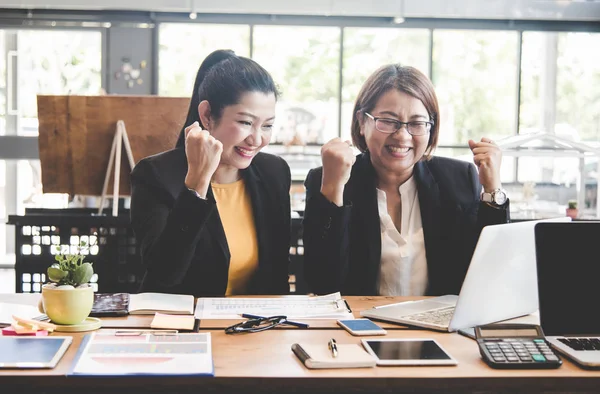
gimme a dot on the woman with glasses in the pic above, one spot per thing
(212, 215)
(396, 220)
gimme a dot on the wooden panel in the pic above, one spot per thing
(76, 134)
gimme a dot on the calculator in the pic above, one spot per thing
(515, 346)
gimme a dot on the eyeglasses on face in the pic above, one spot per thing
(256, 325)
(390, 126)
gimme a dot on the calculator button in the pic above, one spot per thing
(512, 358)
(538, 357)
(552, 358)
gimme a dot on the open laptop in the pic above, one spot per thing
(500, 284)
(568, 268)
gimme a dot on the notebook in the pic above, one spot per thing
(319, 356)
(32, 352)
(500, 284)
(568, 269)
(120, 304)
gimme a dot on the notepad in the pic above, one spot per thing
(318, 356)
(174, 322)
(115, 304)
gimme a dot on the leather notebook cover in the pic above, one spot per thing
(110, 304)
(316, 356)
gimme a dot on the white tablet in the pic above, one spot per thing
(32, 352)
(394, 351)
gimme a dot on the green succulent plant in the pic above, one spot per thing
(70, 269)
(572, 204)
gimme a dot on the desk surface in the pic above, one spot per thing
(264, 362)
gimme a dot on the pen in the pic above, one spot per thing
(333, 347)
(291, 323)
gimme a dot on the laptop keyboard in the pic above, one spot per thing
(440, 317)
(581, 343)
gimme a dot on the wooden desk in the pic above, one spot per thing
(263, 362)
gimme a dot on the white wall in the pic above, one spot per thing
(574, 10)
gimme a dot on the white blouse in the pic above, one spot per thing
(403, 268)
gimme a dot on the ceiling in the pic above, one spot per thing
(553, 10)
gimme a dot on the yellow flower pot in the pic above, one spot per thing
(67, 306)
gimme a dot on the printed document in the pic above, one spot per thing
(155, 353)
(331, 306)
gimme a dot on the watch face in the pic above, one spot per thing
(500, 197)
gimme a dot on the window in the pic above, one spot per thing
(533, 69)
(577, 84)
(2, 88)
(304, 62)
(475, 75)
(183, 47)
(559, 75)
(36, 62)
(54, 62)
(365, 50)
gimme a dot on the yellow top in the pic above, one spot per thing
(235, 209)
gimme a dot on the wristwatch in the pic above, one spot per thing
(496, 197)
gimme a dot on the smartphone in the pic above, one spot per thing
(361, 327)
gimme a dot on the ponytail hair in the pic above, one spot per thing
(223, 77)
(192, 116)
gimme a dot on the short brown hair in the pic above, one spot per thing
(406, 79)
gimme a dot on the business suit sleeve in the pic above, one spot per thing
(167, 231)
(486, 214)
(326, 238)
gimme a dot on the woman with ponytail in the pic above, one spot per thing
(212, 215)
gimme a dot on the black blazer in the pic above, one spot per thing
(342, 245)
(181, 237)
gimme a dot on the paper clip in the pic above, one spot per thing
(136, 333)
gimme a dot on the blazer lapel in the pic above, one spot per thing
(216, 230)
(429, 200)
(214, 226)
(365, 194)
(257, 194)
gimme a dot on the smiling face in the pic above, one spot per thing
(244, 128)
(395, 154)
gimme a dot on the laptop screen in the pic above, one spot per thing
(568, 270)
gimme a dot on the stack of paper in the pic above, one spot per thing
(7, 310)
(331, 306)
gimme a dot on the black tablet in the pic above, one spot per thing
(394, 351)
